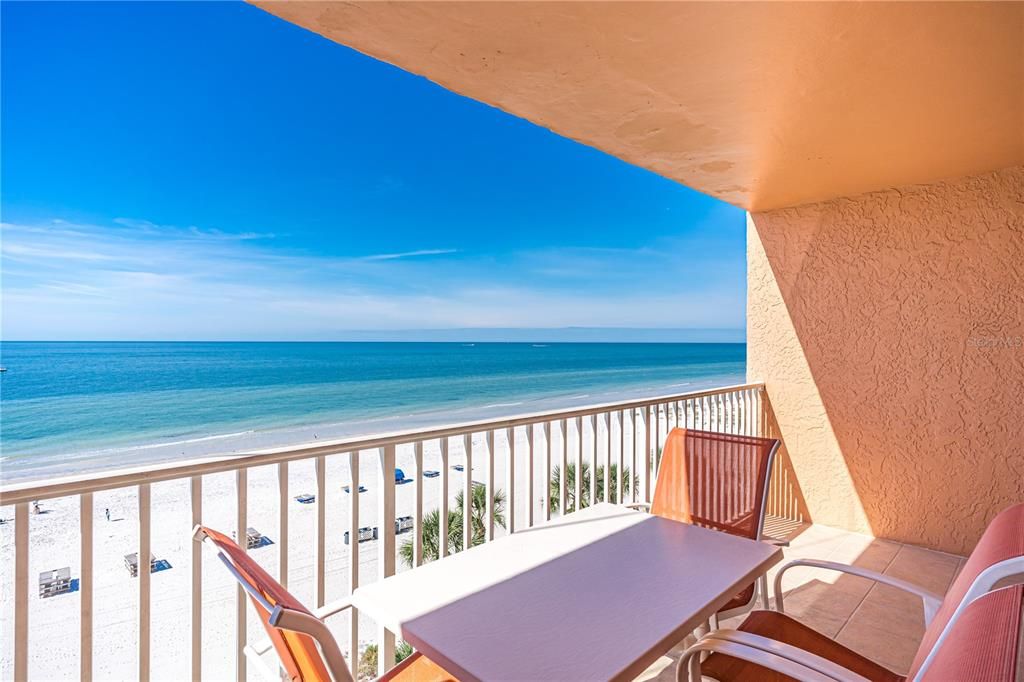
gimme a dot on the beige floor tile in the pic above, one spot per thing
(872, 554)
(892, 611)
(895, 652)
(933, 571)
(817, 615)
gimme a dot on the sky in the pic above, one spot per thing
(190, 171)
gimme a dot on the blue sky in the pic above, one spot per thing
(207, 171)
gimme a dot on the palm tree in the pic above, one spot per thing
(629, 483)
(432, 525)
(367, 669)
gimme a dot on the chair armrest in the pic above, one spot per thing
(638, 505)
(931, 601)
(331, 608)
(788, 660)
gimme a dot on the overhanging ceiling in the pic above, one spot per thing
(763, 105)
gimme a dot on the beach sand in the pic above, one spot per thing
(54, 543)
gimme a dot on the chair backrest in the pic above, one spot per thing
(985, 643)
(997, 561)
(715, 480)
(298, 651)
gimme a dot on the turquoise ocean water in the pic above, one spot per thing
(67, 407)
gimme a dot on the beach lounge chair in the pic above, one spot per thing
(366, 533)
(431, 474)
(131, 561)
(253, 538)
(718, 481)
(305, 499)
(974, 633)
(305, 647)
(57, 581)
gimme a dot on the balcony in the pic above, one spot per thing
(300, 509)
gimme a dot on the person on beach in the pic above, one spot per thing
(107, 510)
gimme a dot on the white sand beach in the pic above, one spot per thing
(54, 542)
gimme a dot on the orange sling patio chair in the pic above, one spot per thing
(718, 481)
(305, 646)
(974, 634)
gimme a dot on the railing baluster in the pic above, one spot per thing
(467, 493)
(621, 483)
(320, 548)
(634, 472)
(196, 581)
(754, 417)
(607, 456)
(21, 592)
(546, 495)
(242, 518)
(530, 439)
(144, 581)
(762, 411)
(417, 508)
(563, 501)
(489, 486)
(747, 414)
(592, 420)
(657, 431)
(442, 540)
(282, 523)
(577, 480)
(510, 476)
(353, 560)
(386, 547)
(645, 417)
(85, 588)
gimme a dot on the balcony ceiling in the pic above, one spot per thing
(763, 105)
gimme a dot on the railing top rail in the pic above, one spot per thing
(26, 491)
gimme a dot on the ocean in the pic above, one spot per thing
(67, 407)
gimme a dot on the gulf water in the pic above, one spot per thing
(71, 406)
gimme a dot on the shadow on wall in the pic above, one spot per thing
(785, 498)
(889, 329)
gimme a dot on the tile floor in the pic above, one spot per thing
(878, 621)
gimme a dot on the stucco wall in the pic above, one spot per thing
(889, 329)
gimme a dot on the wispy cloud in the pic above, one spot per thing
(190, 232)
(144, 281)
(409, 254)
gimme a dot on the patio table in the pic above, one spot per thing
(598, 594)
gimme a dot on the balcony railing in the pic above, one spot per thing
(171, 621)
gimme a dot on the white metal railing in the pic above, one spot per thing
(624, 436)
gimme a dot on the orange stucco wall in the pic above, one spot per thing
(889, 329)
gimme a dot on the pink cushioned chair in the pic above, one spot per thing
(973, 634)
(718, 481)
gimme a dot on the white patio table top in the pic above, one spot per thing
(598, 594)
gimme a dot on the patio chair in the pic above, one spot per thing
(306, 649)
(718, 481)
(974, 633)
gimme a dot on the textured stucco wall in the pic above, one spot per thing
(889, 328)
